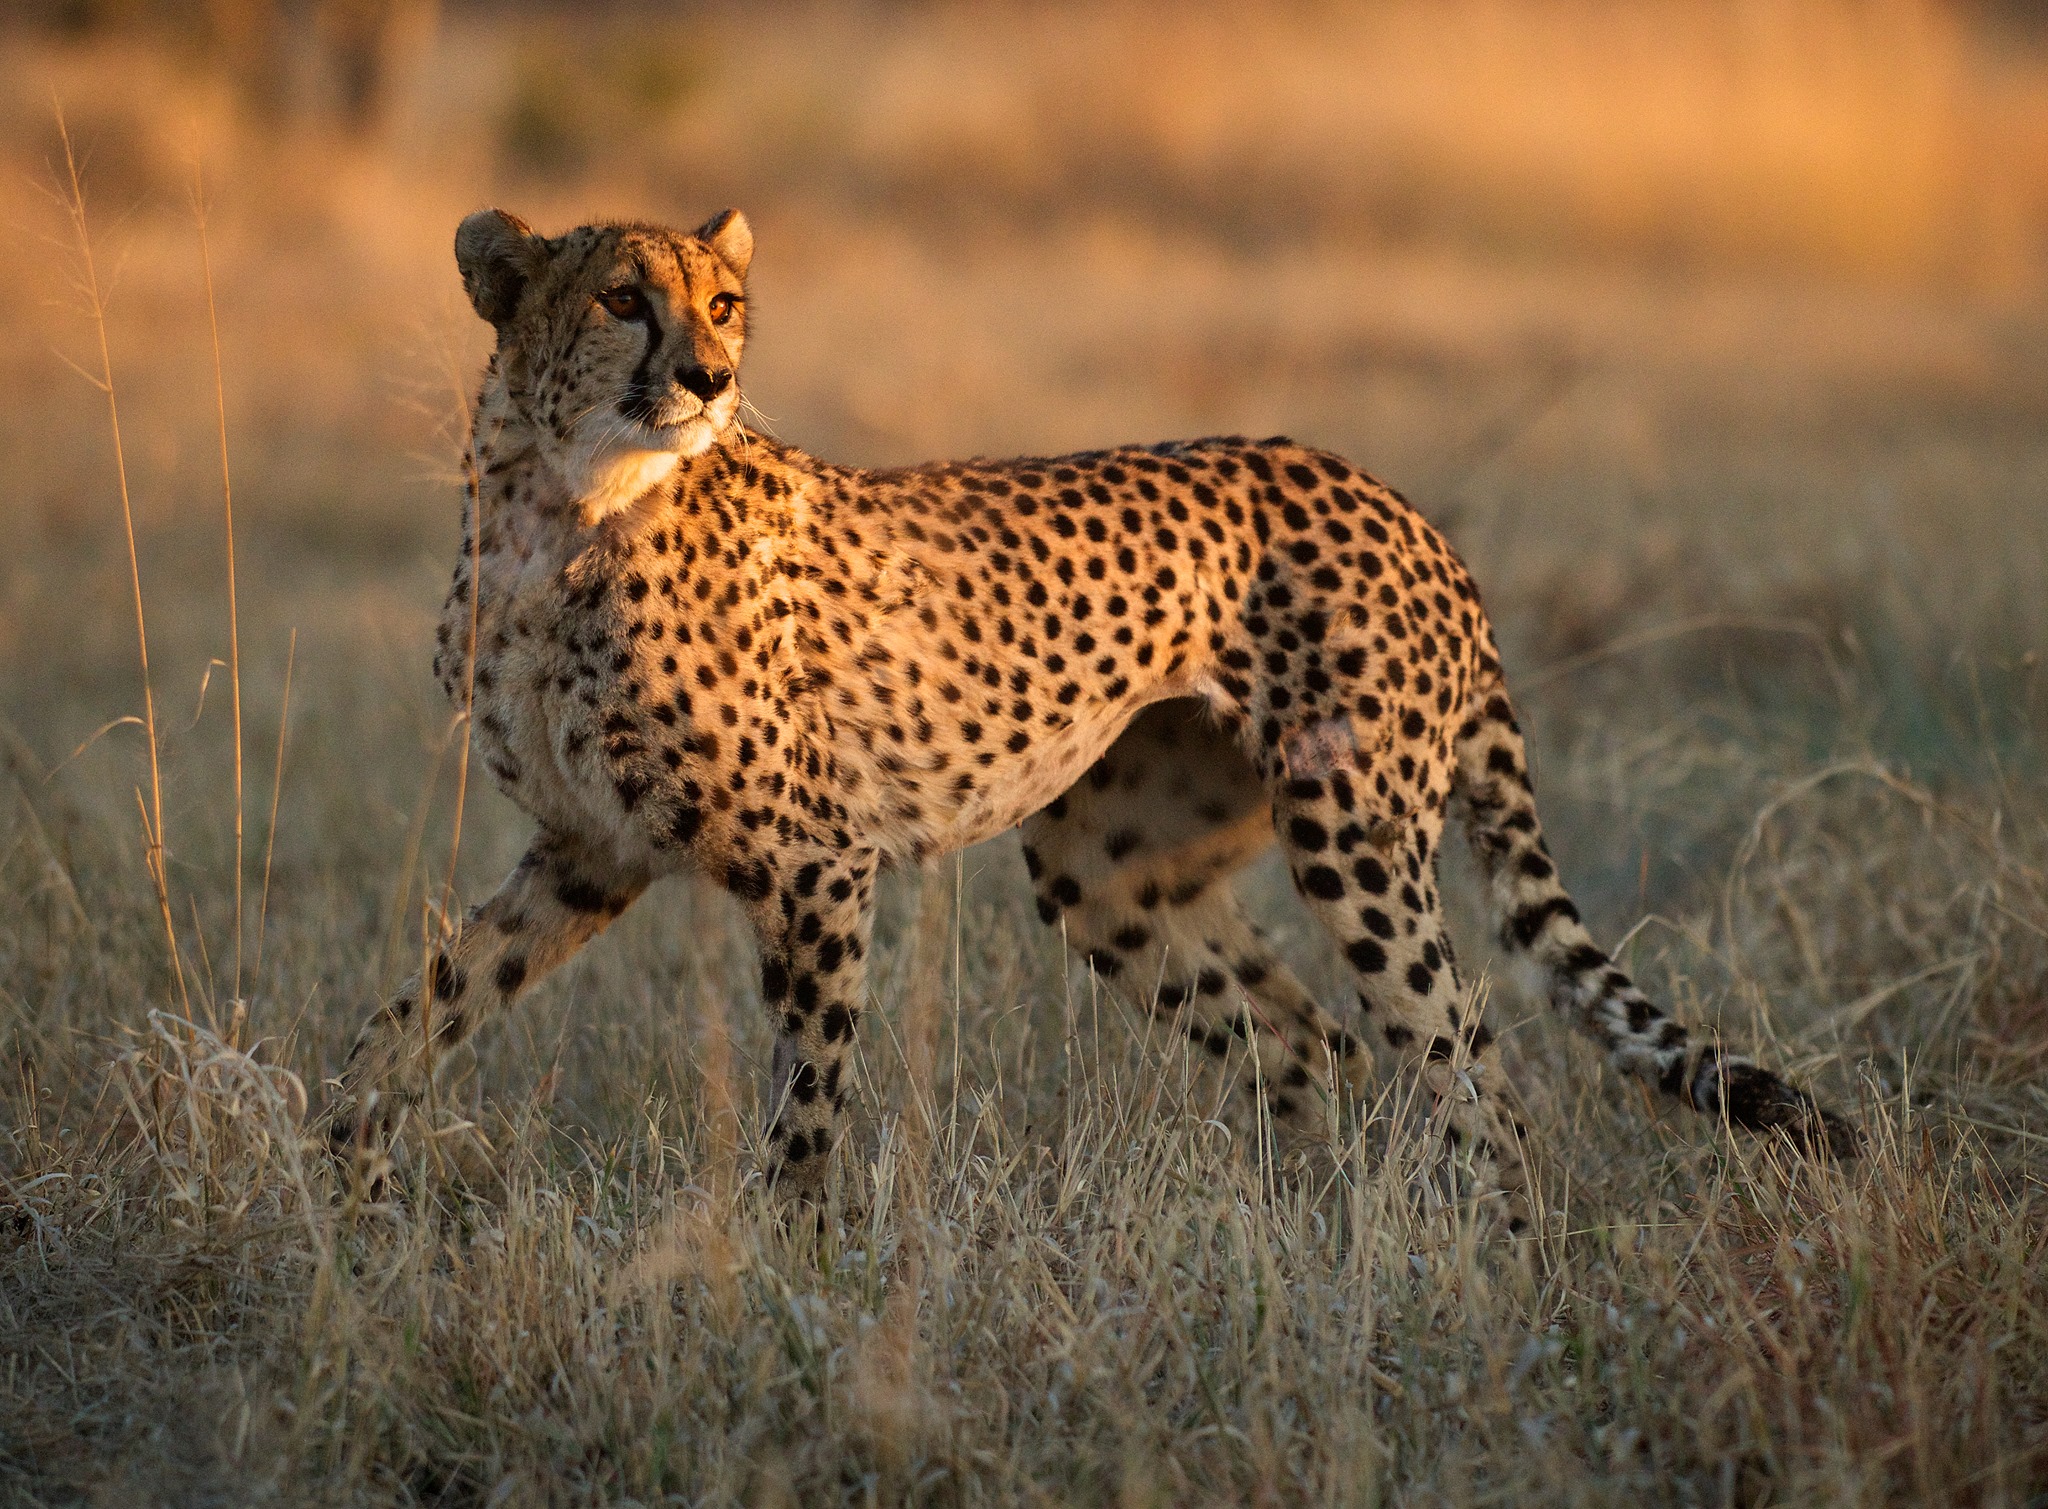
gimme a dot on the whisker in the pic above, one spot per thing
(767, 425)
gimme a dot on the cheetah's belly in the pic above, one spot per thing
(1020, 785)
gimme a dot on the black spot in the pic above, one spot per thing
(511, 975)
(1324, 882)
(1307, 835)
(1755, 1098)
(1524, 927)
(837, 1026)
(579, 895)
(445, 979)
(1366, 956)
(1673, 1077)
(774, 979)
(1584, 958)
(803, 1084)
(1371, 876)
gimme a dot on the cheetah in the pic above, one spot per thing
(686, 646)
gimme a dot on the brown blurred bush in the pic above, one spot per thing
(1892, 141)
(342, 59)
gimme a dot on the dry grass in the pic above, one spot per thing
(1768, 552)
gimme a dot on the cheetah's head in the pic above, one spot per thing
(621, 342)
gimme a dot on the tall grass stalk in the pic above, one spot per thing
(95, 301)
(284, 711)
(227, 507)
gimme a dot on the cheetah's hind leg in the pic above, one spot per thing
(1364, 858)
(1137, 858)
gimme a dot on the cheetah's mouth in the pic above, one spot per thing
(662, 415)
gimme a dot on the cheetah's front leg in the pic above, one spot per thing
(814, 927)
(558, 897)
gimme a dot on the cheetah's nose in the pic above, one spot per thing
(706, 382)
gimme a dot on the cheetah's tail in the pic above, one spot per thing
(1536, 917)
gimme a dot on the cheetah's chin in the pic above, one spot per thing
(688, 436)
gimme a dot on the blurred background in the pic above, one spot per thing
(1716, 335)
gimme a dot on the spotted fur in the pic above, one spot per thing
(689, 647)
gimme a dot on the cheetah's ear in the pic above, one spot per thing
(497, 254)
(728, 234)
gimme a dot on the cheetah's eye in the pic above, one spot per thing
(721, 307)
(624, 302)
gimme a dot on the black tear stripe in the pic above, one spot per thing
(637, 405)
